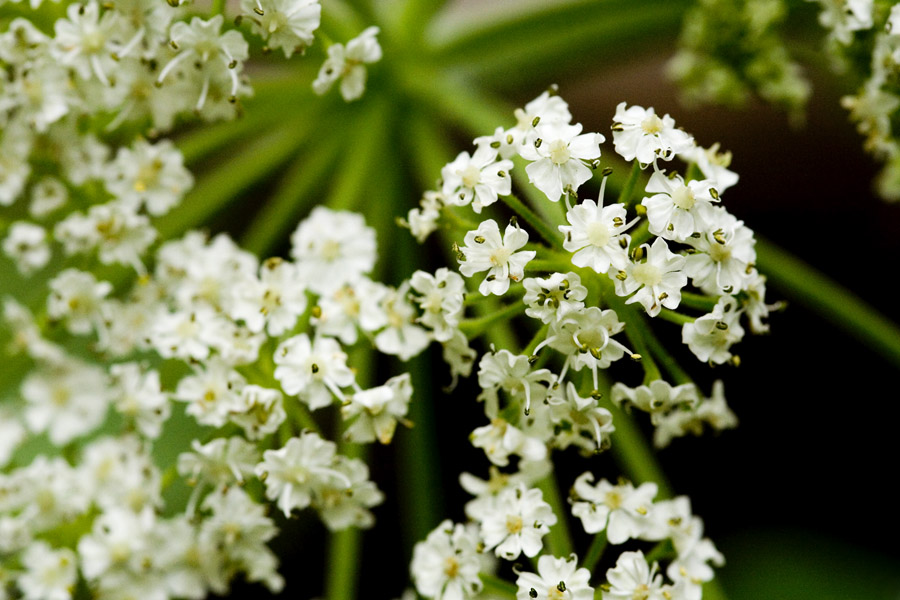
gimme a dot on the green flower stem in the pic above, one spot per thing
(638, 333)
(553, 213)
(295, 191)
(801, 283)
(631, 450)
(476, 327)
(495, 586)
(661, 551)
(559, 540)
(455, 221)
(235, 175)
(299, 414)
(343, 558)
(626, 196)
(595, 551)
(529, 45)
(218, 8)
(675, 317)
(368, 133)
(698, 301)
(554, 238)
(668, 362)
(548, 265)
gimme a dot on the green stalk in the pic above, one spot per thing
(295, 191)
(495, 586)
(626, 196)
(667, 361)
(343, 559)
(236, 174)
(554, 238)
(595, 552)
(559, 540)
(802, 283)
(698, 301)
(675, 317)
(476, 327)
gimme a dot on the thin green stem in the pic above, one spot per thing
(595, 551)
(559, 540)
(343, 550)
(626, 196)
(698, 301)
(495, 586)
(538, 224)
(667, 361)
(218, 8)
(675, 317)
(548, 265)
(476, 327)
(539, 336)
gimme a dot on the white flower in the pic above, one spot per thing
(477, 180)
(552, 298)
(485, 250)
(714, 165)
(85, 41)
(345, 503)
(347, 64)
(259, 412)
(332, 248)
(441, 300)
(377, 410)
(512, 373)
(76, 297)
(640, 133)
(713, 411)
(622, 510)
(293, 473)
(285, 24)
(26, 244)
(274, 301)
(579, 421)
(402, 337)
(138, 396)
(596, 234)
(557, 153)
(47, 195)
(312, 370)
(149, 175)
(656, 281)
(500, 439)
(845, 17)
(67, 402)
(212, 392)
(446, 564)
(724, 257)
(710, 337)
(517, 523)
(657, 398)
(677, 209)
(584, 337)
(633, 578)
(547, 108)
(556, 579)
(49, 574)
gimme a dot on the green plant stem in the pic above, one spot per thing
(476, 327)
(595, 551)
(803, 284)
(498, 587)
(698, 301)
(537, 223)
(559, 540)
(343, 549)
(218, 8)
(675, 317)
(668, 362)
(626, 196)
(539, 336)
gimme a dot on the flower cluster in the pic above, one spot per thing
(599, 272)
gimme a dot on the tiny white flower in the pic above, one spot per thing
(656, 281)
(596, 234)
(622, 510)
(556, 579)
(639, 133)
(486, 250)
(285, 24)
(500, 439)
(477, 179)
(657, 397)
(677, 209)
(711, 336)
(49, 574)
(445, 566)
(633, 578)
(441, 300)
(347, 64)
(517, 523)
(312, 370)
(26, 244)
(377, 410)
(558, 154)
(552, 298)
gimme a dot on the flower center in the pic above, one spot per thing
(613, 500)
(331, 250)
(471, 176)
(641, 592)
(683, 198)
(514, 524)
(451, 567)
(646, 274)
(719, 252)
(597, 234)
(652, 125)
(500, 256)
(559, 152)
